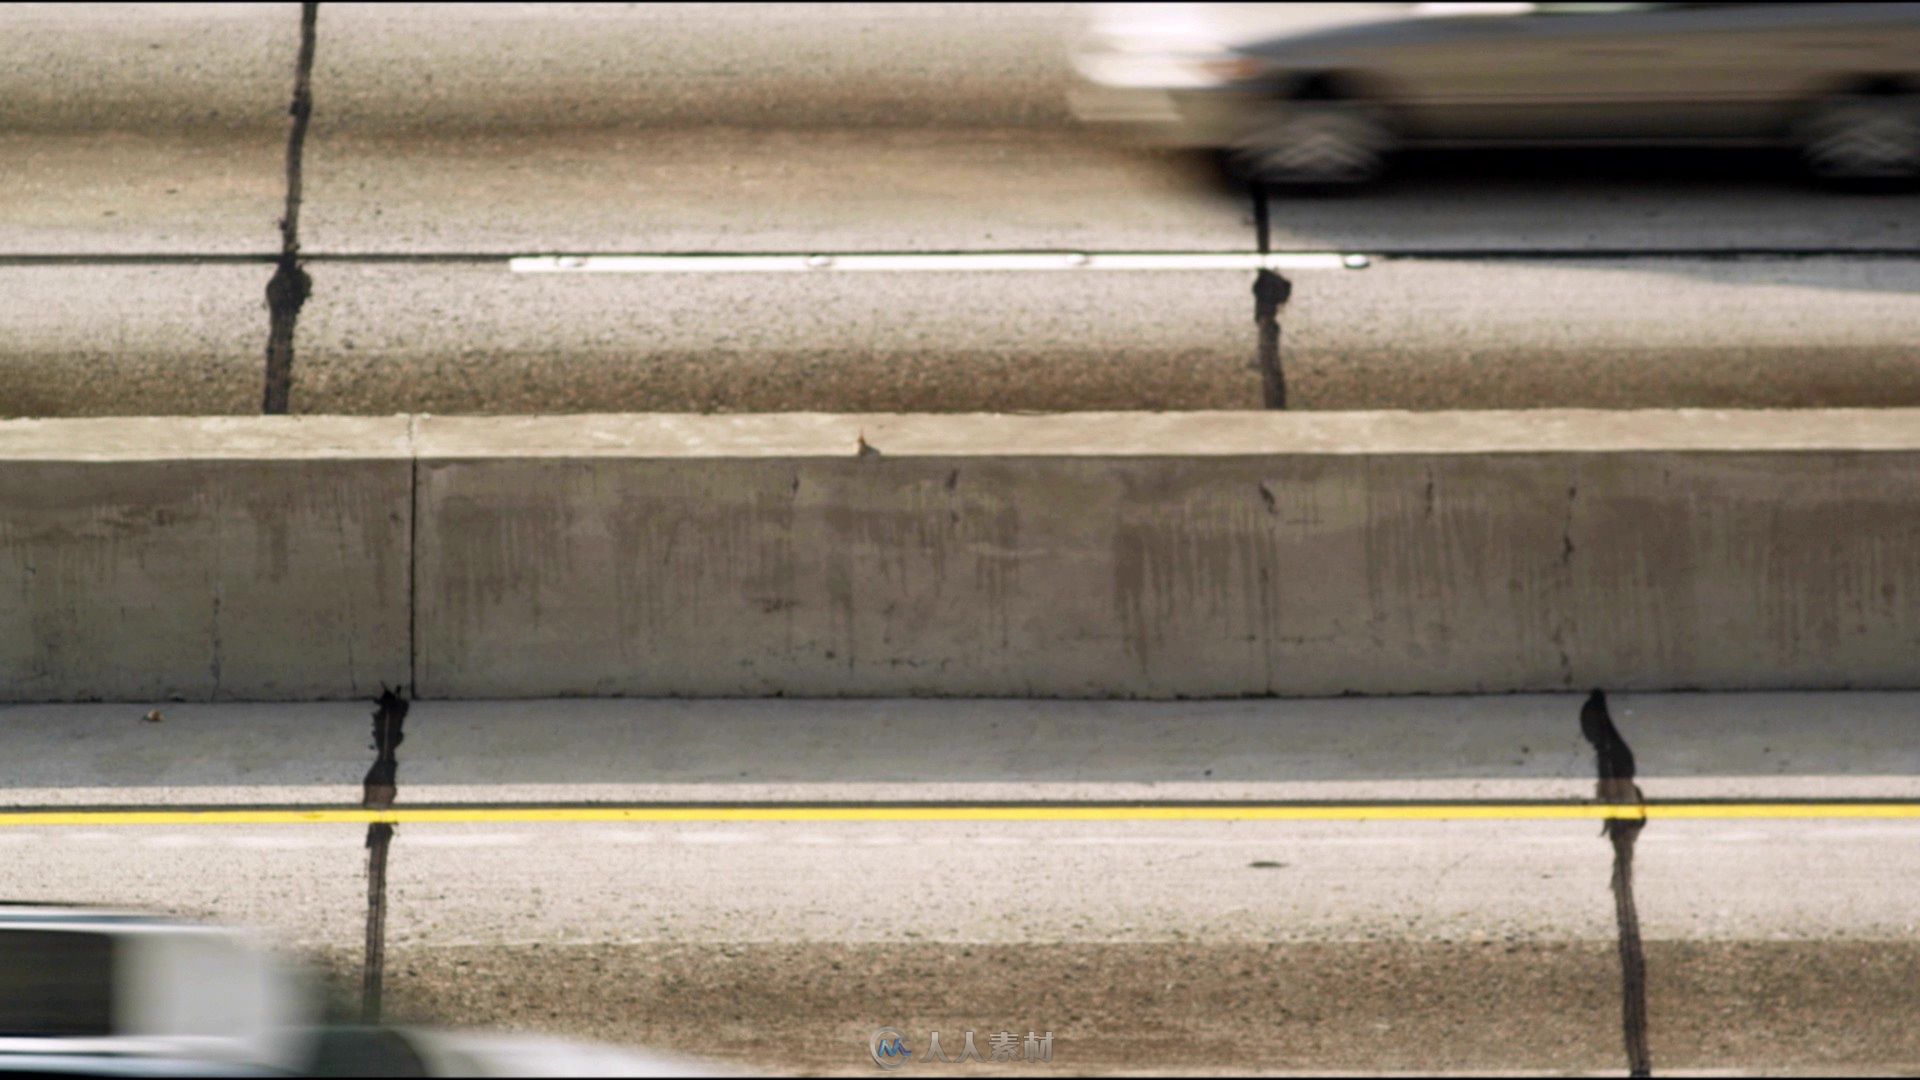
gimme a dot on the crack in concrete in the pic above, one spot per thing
(379, 790)
(1270, 292)
(290, 285)
(413, 556)
(1616, 767)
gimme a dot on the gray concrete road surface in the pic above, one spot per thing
(156, 132)
(474, 337)
(429, 66)
(1144, 945)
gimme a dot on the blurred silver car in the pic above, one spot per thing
(414, 1051)
(96, 992)
(87, 985)
(1323, 93)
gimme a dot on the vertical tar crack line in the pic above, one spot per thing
(380, 789)
(290, 286)
(413, 552)
(1270, 292)
(1615, 762)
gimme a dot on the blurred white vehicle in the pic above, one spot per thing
(87, 992)
(84, 983)
(1323, 93)
(411, 1051)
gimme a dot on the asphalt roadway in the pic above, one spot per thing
(145, 193)
(1129, 896)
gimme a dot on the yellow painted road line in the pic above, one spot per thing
(1063, 812)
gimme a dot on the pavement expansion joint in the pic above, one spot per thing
(1614, 760)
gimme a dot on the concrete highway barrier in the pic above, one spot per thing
(1081, 555)
(1166, 555)
(149, 559)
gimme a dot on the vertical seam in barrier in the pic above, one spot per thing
(288, 289)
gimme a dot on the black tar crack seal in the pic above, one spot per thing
(1615, 762)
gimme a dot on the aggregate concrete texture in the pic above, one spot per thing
(1412, 334)
(434, 66)
(141, 193)
(708, 189)
(1626, 333)
(473, 337)
(540, 66)
(132, 340)
(143, 128)
(478, 339)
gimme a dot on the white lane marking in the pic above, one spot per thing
(968, 262)
(293, 841)
(422, 838)
(688, 836)
(624, 836)
(169, 841)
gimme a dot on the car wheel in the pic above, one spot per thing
(1314, 143)
(1864, 138)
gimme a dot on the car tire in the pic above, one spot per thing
(1314, 143)
(1865, 138)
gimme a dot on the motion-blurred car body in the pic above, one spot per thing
(1323, 93)
(94, 992)
(413, 1051)
(80, 984)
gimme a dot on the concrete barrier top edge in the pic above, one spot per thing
(1158, 434)
(829, 435)
(172, 438)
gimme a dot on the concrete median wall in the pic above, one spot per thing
(1149, 555)
(208, 558)
(1162, 555)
